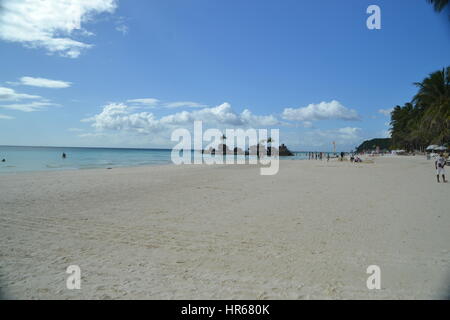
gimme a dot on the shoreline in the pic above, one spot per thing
(83, 169)
(124, 167)
(170, 164)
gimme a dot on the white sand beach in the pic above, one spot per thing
(226, 232)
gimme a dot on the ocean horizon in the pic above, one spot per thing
(45, 158)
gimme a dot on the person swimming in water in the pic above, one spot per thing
(64, 155)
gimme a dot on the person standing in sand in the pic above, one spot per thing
(440, 167)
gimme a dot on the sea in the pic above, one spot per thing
(26, 159)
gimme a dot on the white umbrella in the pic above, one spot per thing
(440, 148)
(432, 147)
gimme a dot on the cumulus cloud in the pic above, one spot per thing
(50, 24)
(262, 121)
(349, 132)
(386, 112)
(7, 94)
(118, 116)
(319, 138)
(222, 115)
(321, 111)
(44, 83)
(121, 117)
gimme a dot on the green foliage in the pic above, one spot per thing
(425, 120)
(383, 144)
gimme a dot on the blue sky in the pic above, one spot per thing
(126, 73)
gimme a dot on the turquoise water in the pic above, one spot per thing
(22, 159)
(50, 158)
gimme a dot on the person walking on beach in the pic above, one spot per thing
(440, 167)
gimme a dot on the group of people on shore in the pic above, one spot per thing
(355, 159)
(326, 155)
(318, 156)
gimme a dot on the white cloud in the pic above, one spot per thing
(222, 115)
(7, 94)
(44, 83)
(50, 24)
(307, 124)
(28, 107)
(386, 112)
(152, 102)
(184, 104)
(321, 111)
(92, 135)
(349, 132)
(122, 29)
(258, 121)
(127, 125)
(120, 117)
(345, 137)
(121, 26)
(145, 101)
(12, 100)
(5, 117)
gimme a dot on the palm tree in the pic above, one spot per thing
(400, 117)
(433, 99)
(439, 5)
(426, 120)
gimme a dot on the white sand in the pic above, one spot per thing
(225, 232)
